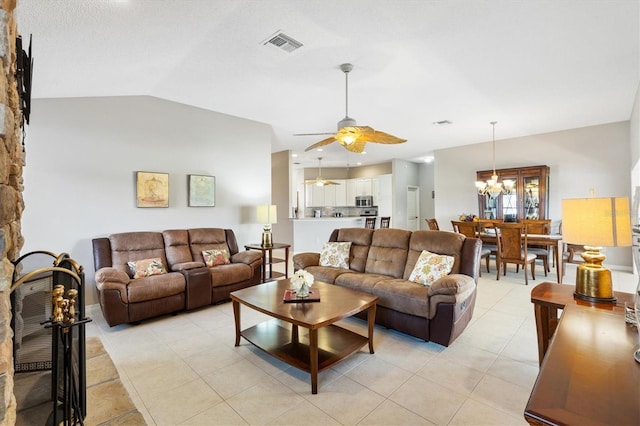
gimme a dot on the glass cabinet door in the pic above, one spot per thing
(531, 200)
(528, 199)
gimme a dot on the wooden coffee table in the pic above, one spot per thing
(323, 343)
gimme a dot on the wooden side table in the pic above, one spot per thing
(589, 375)
(268, 259)
(548, 298)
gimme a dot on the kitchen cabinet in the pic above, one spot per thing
(363, 187)
(341, 192)
(528, 200)
(329, 195)
(314, 196)
(351, 193)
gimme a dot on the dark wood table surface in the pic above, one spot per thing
(589, 375)
(324, 343)
(549, 298)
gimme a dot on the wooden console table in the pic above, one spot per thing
(548, 298)
(588, 375)
(269, 260)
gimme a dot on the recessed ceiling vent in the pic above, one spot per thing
(283, 41)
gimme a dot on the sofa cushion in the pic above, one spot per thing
(403, 296)
(216, 257)
(146, 267)
(232, 273)
(176, 242)
(360, 281)
(360, 239)
(388, 252)
(131, 246)
(326, 274)
(335, 254)
(201, 239)
(155, 287)
(439, 242)
(431, 267)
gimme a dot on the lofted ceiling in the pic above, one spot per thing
(532, 66)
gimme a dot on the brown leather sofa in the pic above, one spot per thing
(187, 283)
(380, 263)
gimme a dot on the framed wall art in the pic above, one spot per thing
(152, 189)
(202, 191)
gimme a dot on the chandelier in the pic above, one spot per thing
(492, 187)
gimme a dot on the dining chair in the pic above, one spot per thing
(543, 227)
(472, 230)
(512, 248)
(370, 223)
(487, 226)
(433, 224)
(385, 221)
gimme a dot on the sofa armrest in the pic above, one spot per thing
(109, 274)
(249, 257)
(113, 279)
(184, 266)
(304, 260)
(451, 285)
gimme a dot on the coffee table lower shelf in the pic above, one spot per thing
(291, 344)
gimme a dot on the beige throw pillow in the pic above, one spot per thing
(147, 267)
(335, 255)
(430, 267)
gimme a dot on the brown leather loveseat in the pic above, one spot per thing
(381, 261)
(177, 278)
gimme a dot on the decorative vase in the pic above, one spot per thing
(302, 282)
(303, 291)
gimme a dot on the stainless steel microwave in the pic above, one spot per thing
(364, 201)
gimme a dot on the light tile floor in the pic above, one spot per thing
(185, 370)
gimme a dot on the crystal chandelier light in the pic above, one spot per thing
(492, 187)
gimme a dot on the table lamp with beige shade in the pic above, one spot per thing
(595, 223)
(267, 215)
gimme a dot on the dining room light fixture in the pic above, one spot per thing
(492, 187)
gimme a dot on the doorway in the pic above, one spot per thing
(413, 208)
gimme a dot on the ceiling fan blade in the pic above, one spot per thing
(357, 146)
(385, 138)
(370, 135)
(313, 134)
(323, 142)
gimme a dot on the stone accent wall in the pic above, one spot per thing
(11, 201)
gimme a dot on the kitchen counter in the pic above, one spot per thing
(310, 233)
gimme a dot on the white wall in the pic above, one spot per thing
(427, 188)
(579, 159)
(405, 174)
(82, 154)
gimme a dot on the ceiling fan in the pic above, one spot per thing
(350, 135)
(319, 181)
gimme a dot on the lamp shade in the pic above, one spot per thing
(597, 222)
(267, 214)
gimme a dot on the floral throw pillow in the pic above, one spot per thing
(430, 267)
(335, 254)
(216, 257)
(147, 267)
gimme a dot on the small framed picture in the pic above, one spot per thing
(152, 189)
(202, 191)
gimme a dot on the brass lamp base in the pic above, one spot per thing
(593, 281)
(267, 238)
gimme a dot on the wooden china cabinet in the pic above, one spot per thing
(528, 200)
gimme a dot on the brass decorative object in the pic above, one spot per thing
(596, 222)
(63, 309)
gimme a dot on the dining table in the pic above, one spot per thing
(554, 240)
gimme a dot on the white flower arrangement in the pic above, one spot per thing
(302, 281)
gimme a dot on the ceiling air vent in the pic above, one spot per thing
(282, 41)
